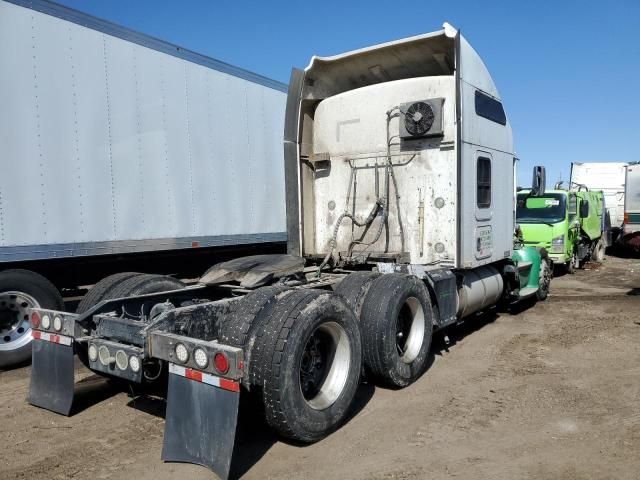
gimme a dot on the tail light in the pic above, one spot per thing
(35, 319)
(626, 218)
(221, 362)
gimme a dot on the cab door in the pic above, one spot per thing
(573, 223)
(484, 205)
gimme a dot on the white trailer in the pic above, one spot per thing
(113, 142)
(610, 178)
(630, 237)
(399, 178)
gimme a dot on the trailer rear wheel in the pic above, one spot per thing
(397, 324)
(21, 290)
(309, 364)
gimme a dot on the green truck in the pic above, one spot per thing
(568, 224)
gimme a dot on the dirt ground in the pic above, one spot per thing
(552, 392)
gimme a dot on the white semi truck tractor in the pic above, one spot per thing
(400, 218)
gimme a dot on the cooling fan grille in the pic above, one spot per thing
(419, 118)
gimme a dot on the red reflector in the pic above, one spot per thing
(36, 334)
(35, 319)
(626, 218)
(229, 385)
(193, 374)
(221, 363)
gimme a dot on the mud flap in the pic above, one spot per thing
(52, 374)
(201, 418)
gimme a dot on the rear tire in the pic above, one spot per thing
(249, 315)
(598, 251)
(101, 289)
(571, 265)
(544, 283)
(354, 287)
(397, 324)
(309, 366)
(143, 284)
(19, 291)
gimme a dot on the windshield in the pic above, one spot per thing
(547, 209)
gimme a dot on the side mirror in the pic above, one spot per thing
(584, 208)
(538, 182)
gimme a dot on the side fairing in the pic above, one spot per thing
(485, 231)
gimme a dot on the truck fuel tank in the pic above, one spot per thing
(480, 288)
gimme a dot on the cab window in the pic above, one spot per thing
(483, 185)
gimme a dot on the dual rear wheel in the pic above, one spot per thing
(306, 348)
(396, 322)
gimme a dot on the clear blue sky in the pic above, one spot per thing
(568, 71)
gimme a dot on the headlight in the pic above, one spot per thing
(134, 363)
(57, 323)
(46, 322)
(93, 352)
(200, 357)
(182, 354)
(557, 244)
(121, 360)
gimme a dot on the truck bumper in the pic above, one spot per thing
(558, 258)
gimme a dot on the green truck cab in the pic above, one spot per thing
(568, 224)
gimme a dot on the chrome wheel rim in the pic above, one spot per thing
(324, 365)
(410, 327)
(15, 329)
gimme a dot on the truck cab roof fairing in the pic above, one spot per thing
(422, 55)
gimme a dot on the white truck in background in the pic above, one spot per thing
(630, 237)
(121, 151)
(610, 178)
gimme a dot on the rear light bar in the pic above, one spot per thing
(197, 355)
(59, 323)
(117, 359)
